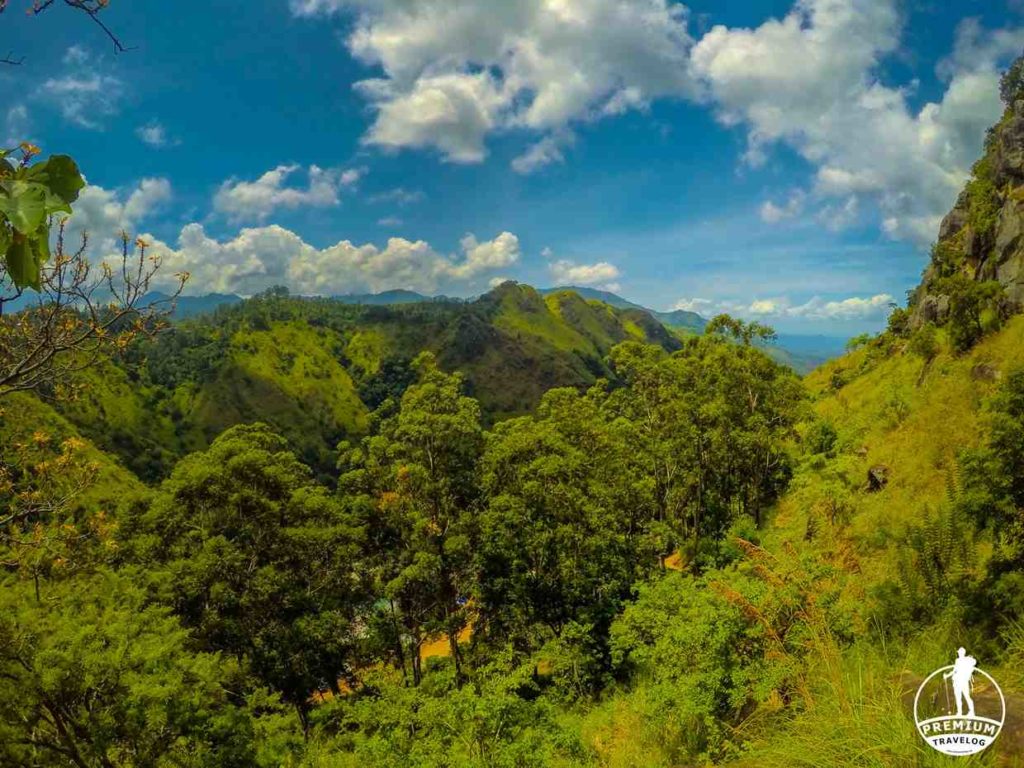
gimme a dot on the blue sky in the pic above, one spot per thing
(785, 162)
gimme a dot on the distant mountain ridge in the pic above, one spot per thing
(801, 352)
(677, 318)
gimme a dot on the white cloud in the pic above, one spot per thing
(16, 126)
(451, 74)
(853, 308)
(261, 257)
(400, 196)
(773, 214)
(256, 200)
(698, 305)
(542, 153)
(75, 55)
(810, 80)
(155, 135)
(565, 272)
(503, 251)
(455, 72)
(816, 308)
(104, 214)
(838, 216)
(390, 221)
(84, 99)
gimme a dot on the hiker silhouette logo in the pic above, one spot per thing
(959, 709)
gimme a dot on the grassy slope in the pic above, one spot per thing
(914, 424)
(122, 418)
(857, 704)
(22, 416)
(289, 377)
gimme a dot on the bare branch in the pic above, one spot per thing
(90, 8)
(77, 318)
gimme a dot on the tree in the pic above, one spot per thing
(976, 308)
(41, 533)
(416, 480)
(857, 342)
(76, 314)
(739, 330)
(564, 534)
(1011, 84)
(258, 561)
(97, 676)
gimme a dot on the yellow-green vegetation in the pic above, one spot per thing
(368, 348)
(26, 421)
(910, 419)
(904, 413)
(123, 417)
(287, 376)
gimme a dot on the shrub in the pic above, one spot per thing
(924, 342)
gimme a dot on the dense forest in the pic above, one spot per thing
(521, 531)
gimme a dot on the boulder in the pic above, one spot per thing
(878, 478)
(933, 309)
(985, 372)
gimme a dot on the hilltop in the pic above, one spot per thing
(314, 369)
(803, 353)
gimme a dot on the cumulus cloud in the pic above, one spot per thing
(451, 74)
(853, 308)
(503, 251)
(105, 213)
(454, 72)
(241, 200)
(260, 257)
(810, 81)
(565, 272)
(816, 308)
(400, 196)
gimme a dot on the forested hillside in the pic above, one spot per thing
(521, 531)
(314, 369)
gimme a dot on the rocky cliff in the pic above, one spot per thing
(982, 238)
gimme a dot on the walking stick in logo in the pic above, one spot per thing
(960, 734)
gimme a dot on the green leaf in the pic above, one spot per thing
(42, 242)
(55, 204)
(22, 264)
(5, 238)
(24, 204)
(60, 173)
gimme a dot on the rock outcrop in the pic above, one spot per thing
(982, 238)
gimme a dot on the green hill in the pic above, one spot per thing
(24, 420)
(314, 368)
